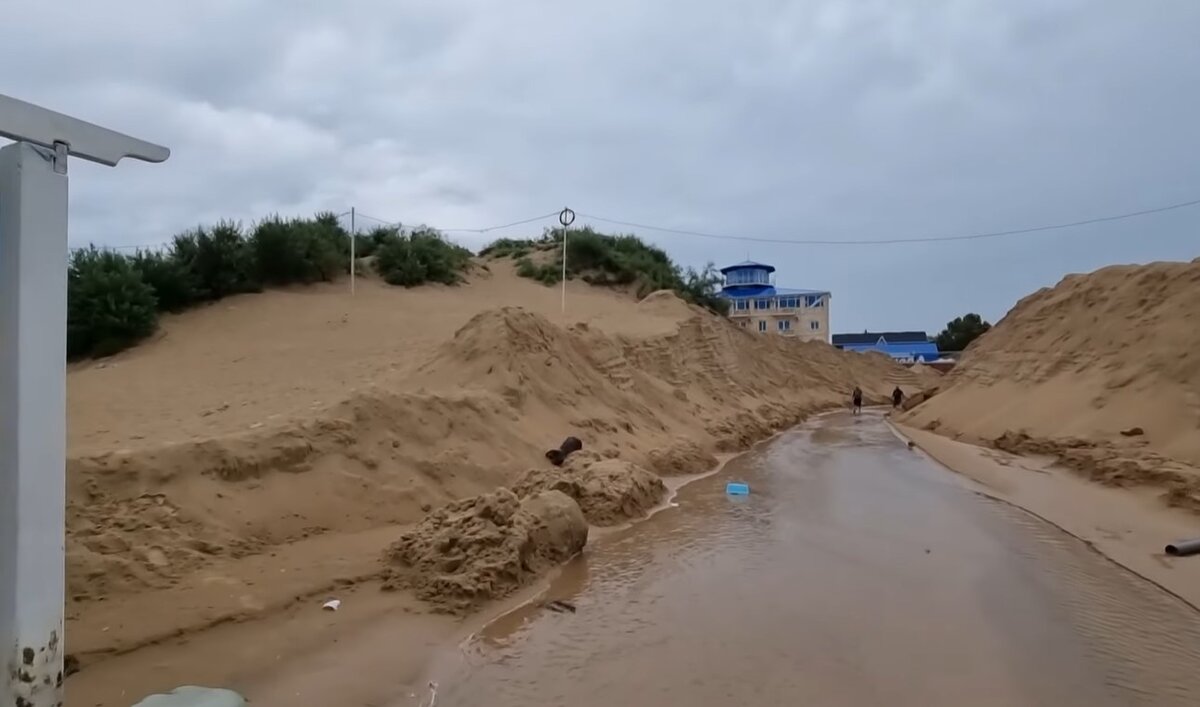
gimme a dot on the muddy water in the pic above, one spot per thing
(856, 573)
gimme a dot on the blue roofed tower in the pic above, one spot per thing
(758, 305)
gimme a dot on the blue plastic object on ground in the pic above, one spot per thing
(737, 488)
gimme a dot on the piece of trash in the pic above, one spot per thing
(192, 696)
(432, 694)
(332, 605)
(1133, 432)
(737, 488)
(560, 606)
(569, 445)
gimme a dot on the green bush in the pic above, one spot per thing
(526, 268)
(113, 300)
(109, 306)
(173, 283)
(616, 261)
(513, 248)
(703, 288)
(299, 250)
(549, 273)
(220, 259)
(420, 257)
(369, 244)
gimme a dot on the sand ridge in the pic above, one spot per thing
(338, 424)
(1100, 371)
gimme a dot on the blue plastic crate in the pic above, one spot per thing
(737, 488)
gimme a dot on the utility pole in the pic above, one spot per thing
(566, 217)
(33, 384)
(353, 238)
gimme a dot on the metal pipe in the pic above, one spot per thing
(1183, 548)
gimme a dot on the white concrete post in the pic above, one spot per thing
(353, 238)
(33, 344)
(33, 348)
(565, 217)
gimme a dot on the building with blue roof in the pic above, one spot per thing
(756, 304)
(904, 346)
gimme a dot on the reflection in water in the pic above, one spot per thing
(855, 573)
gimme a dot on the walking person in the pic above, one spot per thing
(897, 397)
(856, 397)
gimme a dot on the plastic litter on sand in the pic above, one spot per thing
(737, 488)
(192, 696)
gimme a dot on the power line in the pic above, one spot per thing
(522, 222)
(755, 239)
(888, 241)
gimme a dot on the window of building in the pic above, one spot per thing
(814, 301)
(763, 304)
(789, 302)
(748, 277)
(741, 304)
(785, 324)
(762, 325)
(814, 325)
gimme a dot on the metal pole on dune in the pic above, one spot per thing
(33, 385)
(353, 238)
(565, 217)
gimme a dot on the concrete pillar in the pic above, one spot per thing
(33, 326)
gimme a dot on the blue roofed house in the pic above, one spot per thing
(904, 346)
(756, 304)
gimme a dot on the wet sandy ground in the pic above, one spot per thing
(856, 573)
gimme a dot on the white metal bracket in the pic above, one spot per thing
(25, 122)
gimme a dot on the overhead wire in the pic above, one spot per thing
(890, 241)
(486, 229)
(758, 239)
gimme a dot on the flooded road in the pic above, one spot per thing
(855, 573)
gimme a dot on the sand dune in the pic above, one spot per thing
(271, 420)
(1101, 371)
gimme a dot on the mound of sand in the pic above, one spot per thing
(485, 547)
(294, 415)
(681, 457)
(666, 303)
(609, 491)
(1072, 367)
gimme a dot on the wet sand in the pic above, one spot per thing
(856, 573)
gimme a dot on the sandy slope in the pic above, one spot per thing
(250, 455)
(1072, 367)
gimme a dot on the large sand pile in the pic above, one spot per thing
(608, 491)
(485, 547)
(268, 421)
(1102, 370)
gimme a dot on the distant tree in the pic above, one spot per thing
(961, 332)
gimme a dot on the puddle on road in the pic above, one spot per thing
(856, 573)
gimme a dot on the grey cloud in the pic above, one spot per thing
(842, 120)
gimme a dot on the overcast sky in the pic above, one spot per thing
(823, 119)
